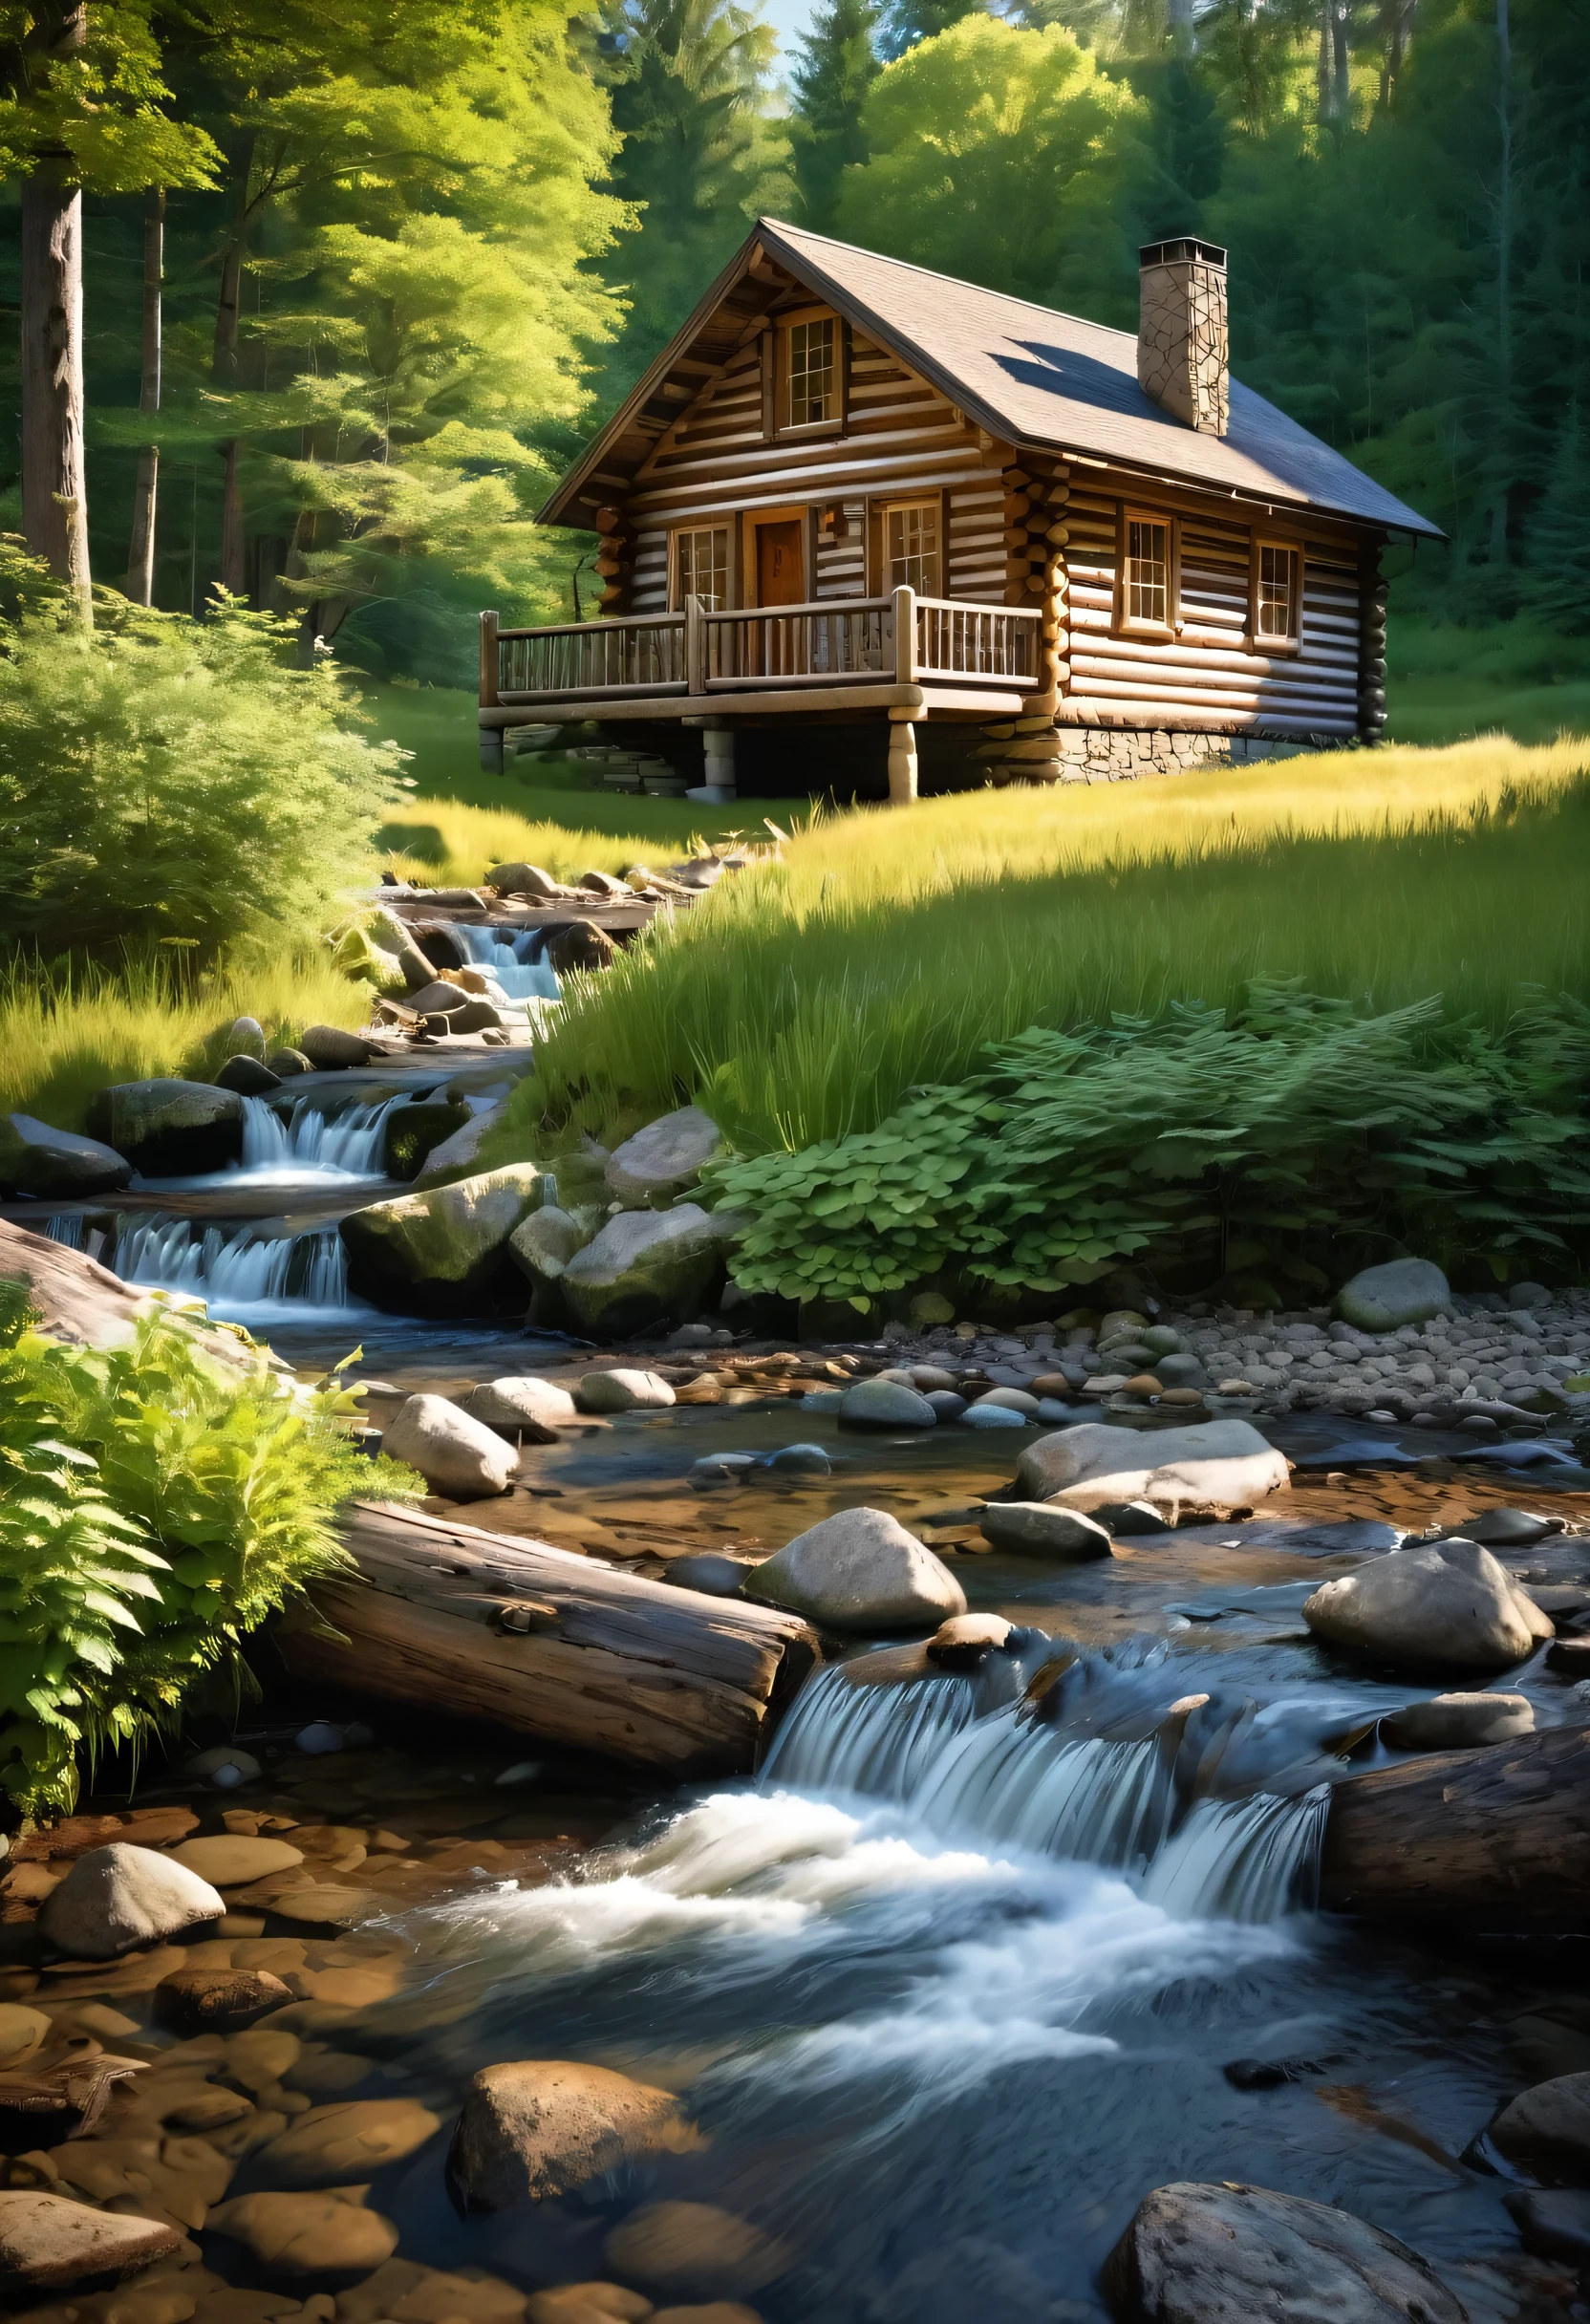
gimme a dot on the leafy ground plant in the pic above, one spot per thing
(154, 1510)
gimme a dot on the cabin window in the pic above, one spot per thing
(912, 546)
(1148, 571)
(702, 567)
(812, 372)
(1277, 594)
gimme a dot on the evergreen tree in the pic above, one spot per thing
(1559, 539)
(837, 66)
(903, 22)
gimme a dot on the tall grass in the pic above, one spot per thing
(66, 1032)
(887, 948)
(452, 843)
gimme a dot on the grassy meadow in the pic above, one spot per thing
(886, 949)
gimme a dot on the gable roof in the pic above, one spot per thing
(1025, 374)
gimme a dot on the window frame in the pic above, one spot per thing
(780, 352)
(675, 535)
(1136, 512)
(1293, 642)
(887, 507)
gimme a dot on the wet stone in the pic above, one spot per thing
(217, 2000)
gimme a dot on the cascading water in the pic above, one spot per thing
(514, 957)
(241, 1276)
(310, 1144)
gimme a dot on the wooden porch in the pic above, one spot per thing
(902, 657)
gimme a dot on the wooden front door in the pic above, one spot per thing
(780, 562)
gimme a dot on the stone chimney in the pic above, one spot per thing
(1183, 360)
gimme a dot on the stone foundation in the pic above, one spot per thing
(1036, 750)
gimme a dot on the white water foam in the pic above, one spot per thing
(518, 967)
(242, 1276)
(307, 1148)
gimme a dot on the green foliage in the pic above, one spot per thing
(1295, 1132)
(829, 81)
(167, 781)
(92, 110)
(154, 1511)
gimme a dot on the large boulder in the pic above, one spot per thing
(455, 1454)
(1546, 2131)
(1205, 1471)
(643, 1269)
(444, 1251)
(55, 1164)
(542, 2128)
(115, 1898)
(1040, 1528)
(1444, 1603)
(859, 1570)
(536, 1408)
(458, 1154)
(169, 1128)
(665, 1157)
(1229, 2254)
(1401, 1291)
(48, 2244)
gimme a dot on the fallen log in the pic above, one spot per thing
(486, 1626)
(85, 1305)
(1503, 1830)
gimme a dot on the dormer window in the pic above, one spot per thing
(813, 372)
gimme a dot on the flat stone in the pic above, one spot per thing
(217, 2000)
(1447, 1603)
(1043, 1529)
(1204, 1471)
(542, 2128)
(49, 2244)
(344, 2145)
(1400, 1291)
(859, 1570)
(231, 1858)
(37, 1159)
(537, 1409)
(122, 1896)
(1457, 1722)
(1546, 2131)
(455, 1454)
(296, 2235)
(323, 1905)
(1229, 2254)
(665, 1157)
(695, 2248)
(622, 1391)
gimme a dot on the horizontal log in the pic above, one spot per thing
(492, 1626)
(1504, 1830)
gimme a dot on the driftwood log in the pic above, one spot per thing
(486, 1626)
(1504, 1830)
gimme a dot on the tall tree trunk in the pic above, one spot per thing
(1341, 75)
(140, 558)
(1504, 286)
(224, 368)
(54, 488)
(234, 576)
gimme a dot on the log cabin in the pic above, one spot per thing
(986, 541)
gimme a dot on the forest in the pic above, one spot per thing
(359, 283)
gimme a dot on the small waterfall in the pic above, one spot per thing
(1137, 1797)
(310, 1144)
(241, 1276)
(516, 963)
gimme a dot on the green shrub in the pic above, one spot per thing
(172, 782)
(1298, 1137)
(154, 1510)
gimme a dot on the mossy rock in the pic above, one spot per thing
(414, 1133)
(169, 1128)
(444, 1251)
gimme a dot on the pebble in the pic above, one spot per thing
(317, 1737)
(992, 1416)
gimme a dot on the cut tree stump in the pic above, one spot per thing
(485, 1626)
(1504, 1830)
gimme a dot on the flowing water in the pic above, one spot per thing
(514, 957)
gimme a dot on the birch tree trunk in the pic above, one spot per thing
(54, 488)
(140, 557)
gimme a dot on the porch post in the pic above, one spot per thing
(489, 661)
(695, 649)
(905, 637)
(902, 751)
(493, 760)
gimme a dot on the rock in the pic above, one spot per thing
(1174, 1371)
(288, 1061)
(521, 879)
(478, 1015)
(330, 1049)
(36, 1159)
(323, 1905)
(458, 1154)
(1209, 1470)
(169, 1128)
(1230, 2254)
(1447, 1602)
(586, 2304)
(643, 1270)
(1401, 1291)
(318, 1737)
(22, 2030)
(580, 945)
(444, 1251)
(542, 2128)
(536, 1407)
(885, 1404)
(708, 1571)
(604, 884)
(1453, 1722)
(1546, 2131)
(665, 1157)
(947, 1404)
(695, 2248)
(723, 1468)
(49, 2244)
(416, 1132)
(1270, 2073)
(622, 1391)
(826, 1400)
(992, 1416)
(395, 938)
(798, 1460)
(1038, 1529)
(455, 1454)
(115, 1898)
(1013, 1399)
(230, 1859)
(249, 1076)
(244, 1037)
(1507, 1528)
(344, 2145)
(859, 1570)
(543, 1245)
(290, 2235)
(217, 2000)
(929, 1308)
(1556, 2224)
(438, 999)
(961, 1642)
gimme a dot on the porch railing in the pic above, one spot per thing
(837, 641)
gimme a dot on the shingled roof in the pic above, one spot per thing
(1030, 376)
